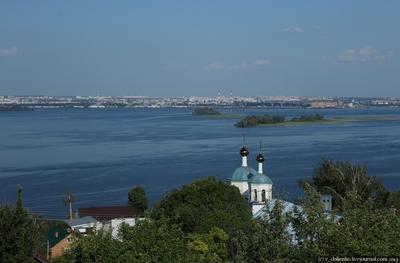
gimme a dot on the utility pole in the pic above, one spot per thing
(69, 199)
(48, 249)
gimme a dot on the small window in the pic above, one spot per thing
(255, 195)
(263, 198)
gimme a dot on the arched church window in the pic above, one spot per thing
(255, 195)
(263, 198)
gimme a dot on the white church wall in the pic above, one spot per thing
(259, 188)
(243, 186)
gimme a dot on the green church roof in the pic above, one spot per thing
(260, 179)
(243, 174)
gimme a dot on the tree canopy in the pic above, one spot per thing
(199, 206)
(344, 179)
(19, 232)
(205, 111)
(210, 221)
(137, 199)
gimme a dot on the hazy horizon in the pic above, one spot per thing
(177, 48)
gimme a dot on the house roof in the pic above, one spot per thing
(80, 221)
(56, 234)
(108, 212)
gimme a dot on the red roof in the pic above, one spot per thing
(108, 212)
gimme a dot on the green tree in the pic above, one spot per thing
(19, 233)
(97, 247)
(386, 198)
(137, 199)
(158, 241)
(269, 239)
(342, 179)
(209, 247)
(199, 206)
(312, 227)
(147, 242)
(365, 230)
(362, 229)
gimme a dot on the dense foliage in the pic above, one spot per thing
(308, 118)
(199, 206)
(268, 240)
(19, 233)
(308, 232)
(210, 221)
(205, 111)
(147, 242)
(344, 179)
(301, 235)
(137, 199)
(14, 107)
(255, 120)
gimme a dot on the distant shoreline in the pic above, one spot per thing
(7, 108)
(335, 120)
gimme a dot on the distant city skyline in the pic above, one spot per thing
(177, 48)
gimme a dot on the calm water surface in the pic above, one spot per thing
(101, 154)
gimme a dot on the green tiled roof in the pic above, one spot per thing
(53, 238)
(243, 174)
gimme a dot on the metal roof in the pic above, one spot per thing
(260, 179)
(243, 174)
(108, 212)
(80, 221)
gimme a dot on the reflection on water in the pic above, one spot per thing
(101, 154)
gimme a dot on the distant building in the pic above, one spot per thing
(59, 240)
(84, 225)
(105, 213)
(112, 217)
(324, 104)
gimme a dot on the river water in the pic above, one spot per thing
(100, 154)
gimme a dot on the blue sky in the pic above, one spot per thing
(180, 48)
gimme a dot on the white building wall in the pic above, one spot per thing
(244, 161)
(243, 186)
(117, 223)
(259, 188)
(326, 201)
(82, 228)
(114, 225)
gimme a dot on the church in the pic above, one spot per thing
(256, 186)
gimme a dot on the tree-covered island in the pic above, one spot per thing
(14, 107)
(266, 119)
(206, 111)
(212, 113)
(308, 118)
